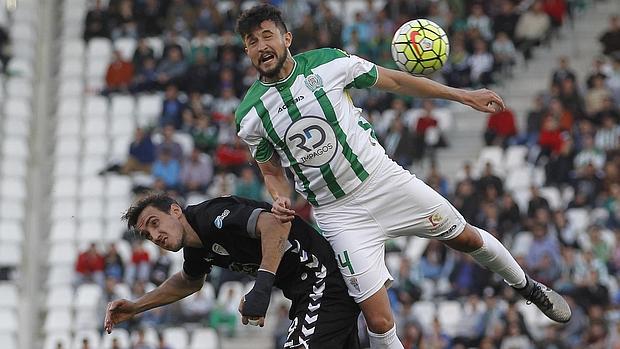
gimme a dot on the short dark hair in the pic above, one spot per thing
(160, 201)
(252, 18)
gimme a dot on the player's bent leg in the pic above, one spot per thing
(380, 321)
(490, 253)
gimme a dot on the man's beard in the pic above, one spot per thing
(270, 74)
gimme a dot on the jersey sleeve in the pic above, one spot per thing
(233, 216)
(360, 73)
(260, 147)
(194, 264)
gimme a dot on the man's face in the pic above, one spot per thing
(163, 229)
(267, 48)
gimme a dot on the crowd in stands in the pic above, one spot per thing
(572, 132)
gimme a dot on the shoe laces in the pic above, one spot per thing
(538, 297)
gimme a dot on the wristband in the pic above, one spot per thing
(257, 300)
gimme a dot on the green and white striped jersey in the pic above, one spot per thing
(309, 119)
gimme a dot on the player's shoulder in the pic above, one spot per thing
(320, 56)
(249, 101)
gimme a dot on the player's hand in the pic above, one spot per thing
(117, 312)
(281, 208)
(250, 320)
(484, 100)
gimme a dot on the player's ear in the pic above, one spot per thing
(176, 211)
(288, 39)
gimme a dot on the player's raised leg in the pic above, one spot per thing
(490, 253)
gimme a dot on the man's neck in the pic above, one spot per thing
(191, 236)
(286, 70)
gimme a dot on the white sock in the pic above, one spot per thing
(387, 340)
(494, 256)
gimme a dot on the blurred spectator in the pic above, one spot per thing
(607, 137)
(399, 145)
(515, 339)
(280, 332)
(504, 54)
(596, 96)
(466, 200)
(562, 72)
(360, 26)
(479, 20)
(223, 184)
(181, 16)
(85, 344)
(171, 68)
(232, 156)
(168, 170)
(96, 22)
(145, 78)
(550, 137)
(501, 128)
(123, 22)
(202, 44)
(556, 9)
(509, 219)
(457, 69)
(481, 65)
(436, 262)
(196, 308)
(161, 342)
(172, 108)
(205, 134)
(534, 120)
(140, 341)
(227, 102)
(196, 172)
(428, 135)
(536, 202)
(119, 75)
(543, 258)
(506, 20)
(331, 24)
(142, 52)
(169, 144)
(588, 184)
(160, 271)
(114, 266)
(532, 28)
(413, 336)
(489, 179)
(141, 153)
(5, 48)
(89, 266)
(248, 186)
(150, 22)
(223, 317)
(209, 18)
(611, 37)
(571, 98)
(599, 67)
(559, 168)
(305, 35)
(139, 269)
(589, 154)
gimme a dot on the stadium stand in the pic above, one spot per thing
(558, 214)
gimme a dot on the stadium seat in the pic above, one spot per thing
(68, 126)
(120, 334)
(157, 44)
(72, 68)
(15, 147)
(492, 154)
(116, 207)
(95, 127)
(95, 107)
(9, 296)
(450, 315)
(96, 146)
(64, 188)
(23, 32)
(94, 340)
(521, 244)
(21, 67)
(19, 88)
(204, 338)
(66, 167)
(92, 187)
(579, 218)
(64, 208)
(195, 198)
(88, 296)
(13, 188)
(13, 167)
(71, 87)
(60, 298)
(122, 107)
(8, 340)
(126, 46)
(72, 48)
(60, 275)
(10, 209)
(553, 196)
(518, 178)
(69, 107)
(87, 319)
(8, 321)
(58, 321)
(90, 209)
(89, 231)
(120, 148)
(149, 109)
(91, 165)
(118, 186)
(176, 337)
(515, 156)
(236, 287)
(63, 230)
(114, 229)
(62, 254)
(99, 49)
(122, 125)
(18, 107)
(11, 231)
(16, 126)
(52, 340)
(424, 312)
(67, 147)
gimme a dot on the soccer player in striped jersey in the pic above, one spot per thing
(299, 115)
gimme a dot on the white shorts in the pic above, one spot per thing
(392, 202)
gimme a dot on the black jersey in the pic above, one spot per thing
(226, 226)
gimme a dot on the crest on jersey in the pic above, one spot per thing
(313, 82)
(312, 141)
(219, 220)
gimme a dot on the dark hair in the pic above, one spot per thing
(253, 17)
(157, 200)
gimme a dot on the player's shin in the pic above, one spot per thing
(494, 256)
(387, 340)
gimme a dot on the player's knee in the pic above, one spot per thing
(380, 324)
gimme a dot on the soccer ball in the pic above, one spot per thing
(420, 47)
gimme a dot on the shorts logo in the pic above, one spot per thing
(353, 281)
(313, 82)
(217, 248)
(219, 220)
(435, 219)
(312, 141)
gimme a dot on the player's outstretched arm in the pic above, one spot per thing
(402, 83)
(273, 234)
(176, 287)
(279, 188)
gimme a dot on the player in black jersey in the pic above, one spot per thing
(242, 235)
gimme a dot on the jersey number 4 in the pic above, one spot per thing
(345, 262)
